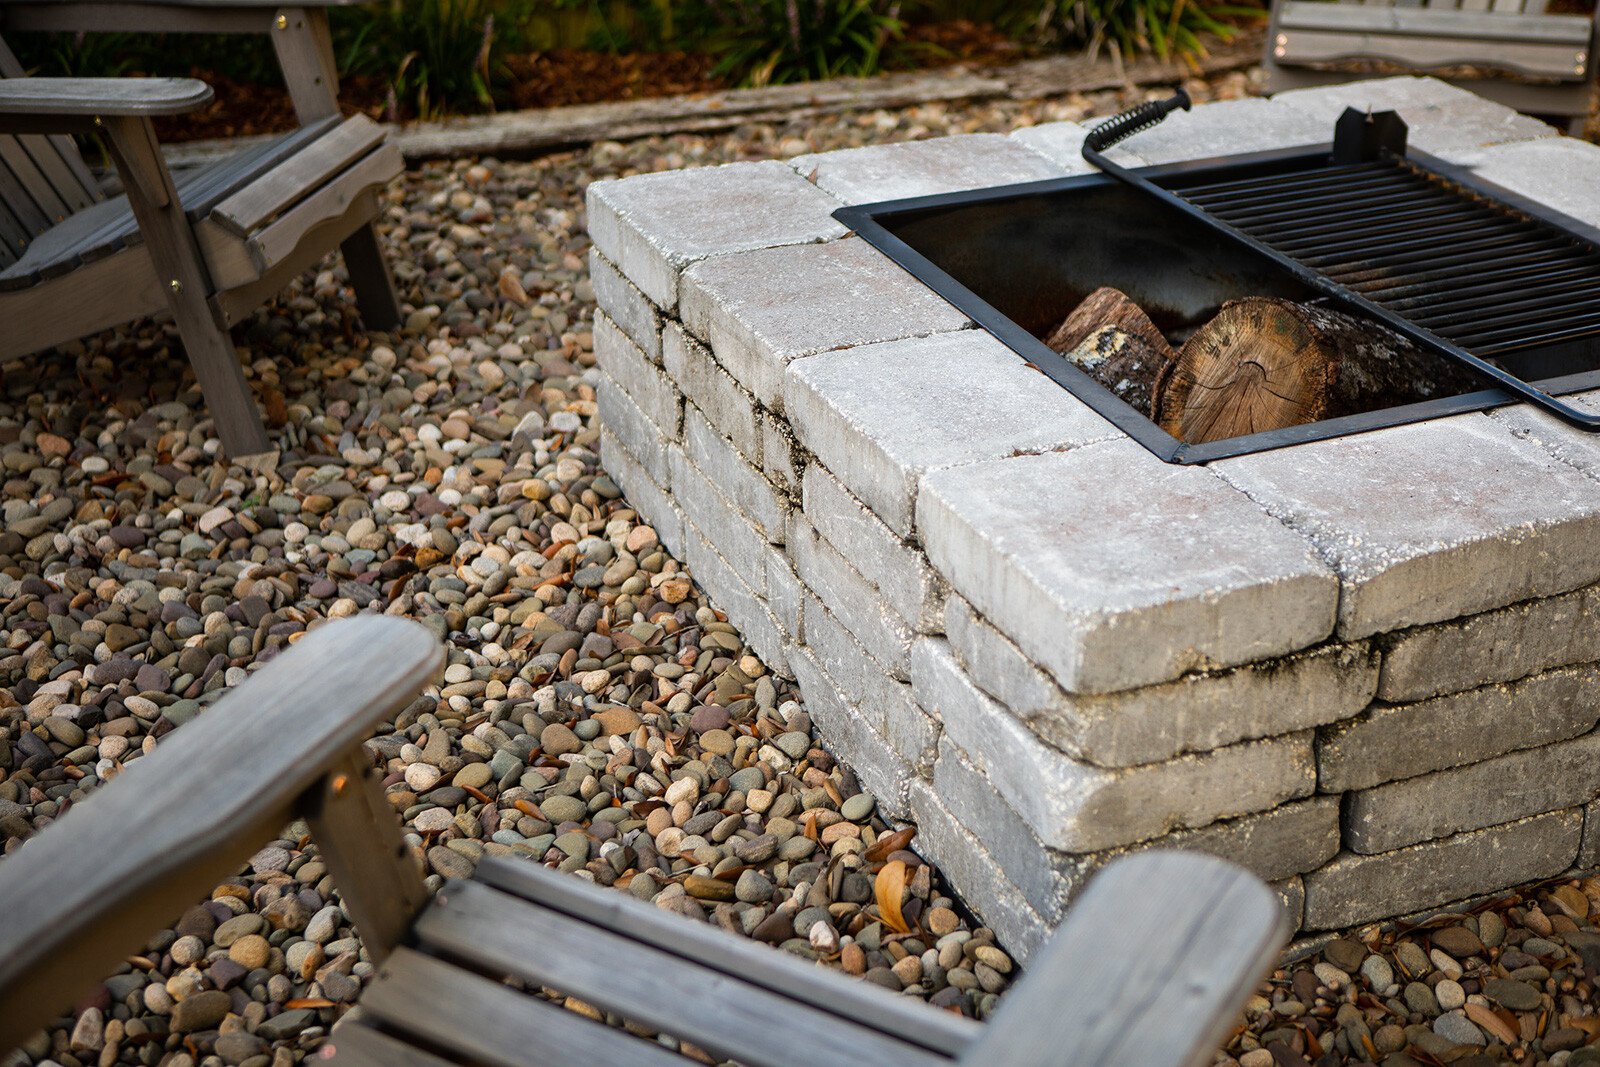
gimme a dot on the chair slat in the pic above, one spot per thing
(504, 935)
(14, 236)
(358, 1045)
(1149, 969)
(485, 1021)
(940, 1032)
(285, 185)
(46, 154)
(102, 229)
(34, 185)
(213, 183)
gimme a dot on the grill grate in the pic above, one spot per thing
(1471, 270)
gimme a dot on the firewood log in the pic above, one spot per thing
(1111, 339)
(1266, 364)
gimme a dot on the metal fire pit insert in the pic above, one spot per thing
(1459, 260)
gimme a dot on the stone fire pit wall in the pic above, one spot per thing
(1366, 668)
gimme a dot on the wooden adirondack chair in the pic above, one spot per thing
(1505, 36)
(1148, 971)
(208, 247)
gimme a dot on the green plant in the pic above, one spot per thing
(438, 55)
(770, 42)
(1165, 28)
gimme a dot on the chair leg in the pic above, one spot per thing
(176, 258)
(374, 285)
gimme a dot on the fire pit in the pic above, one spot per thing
(1364, 665)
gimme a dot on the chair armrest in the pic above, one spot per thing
(88, 97)
(185, 817)
(1149, 969)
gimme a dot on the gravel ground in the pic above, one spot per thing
(449, 473)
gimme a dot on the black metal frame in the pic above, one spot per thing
(870, 222)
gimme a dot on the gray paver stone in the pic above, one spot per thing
(628, 307)
(721, 399)
(1062, 144)
(880, 416)
(1561, 173)
(761, 310)
(851, 598)
(643, 439)
(783, 461)
(978, 878)
(899, 570)
(1355, 889)
(1394, 741)
(1113, 570)
(1196, 713)
(736, 476)
(653, 225)
(1228, 127)
(922, 168)
(1495, 646)
(738, 542)
(744, 607)
(630, 368)
(1496, 791)
(1077, 807)
(1433, 520)
(851, 738)
(1444, 120)
(649, 499)
(1589, 851)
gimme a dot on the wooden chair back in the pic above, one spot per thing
(42, 181)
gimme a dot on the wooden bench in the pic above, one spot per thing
(1149, 970)
(1553, 55)
(208, 246)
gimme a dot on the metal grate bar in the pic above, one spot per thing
(1425, 236)
(1272, 196)
(1461, 252)
(1285, 183)
(1316, 207)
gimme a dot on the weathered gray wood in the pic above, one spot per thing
(372, 280)
(96, 296)
(178, 264)
(1475, 25)
(305, 55)
(940, 1032)
(487, 1022)
(329, 202)
(280, 188)
(359, 838)
(133, 854)
(1559, 62)
(232, 305)
(1149, 969)
(204, 188)
(500, 933)
(102, 96)
(355, 1044)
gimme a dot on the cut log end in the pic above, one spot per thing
(1257, 366)
(1111, 339)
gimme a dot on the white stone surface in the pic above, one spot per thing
(736, 477)
(721, 399)
(785, 595)
(629, 366)
(744, 607)
(851, 598)
(1113, 570)
(738, 542)
(966, 863)
(1355, 889)
(1496, 646)
(1560, 173)
(1498, 790)
(1393, 741)
(922, 168)
(761, 310)
(1228, 127)
(1433, 520)
(1442, 119)
(783, 461)
(633, 428)
(888, 705)
(850, 737)
(1077, 807)
(1196, 713)
(625, 304)
(880, 416)
(897, 569)
(653, 225)
(654, 505)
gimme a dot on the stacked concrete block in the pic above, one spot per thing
(1366, 668)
